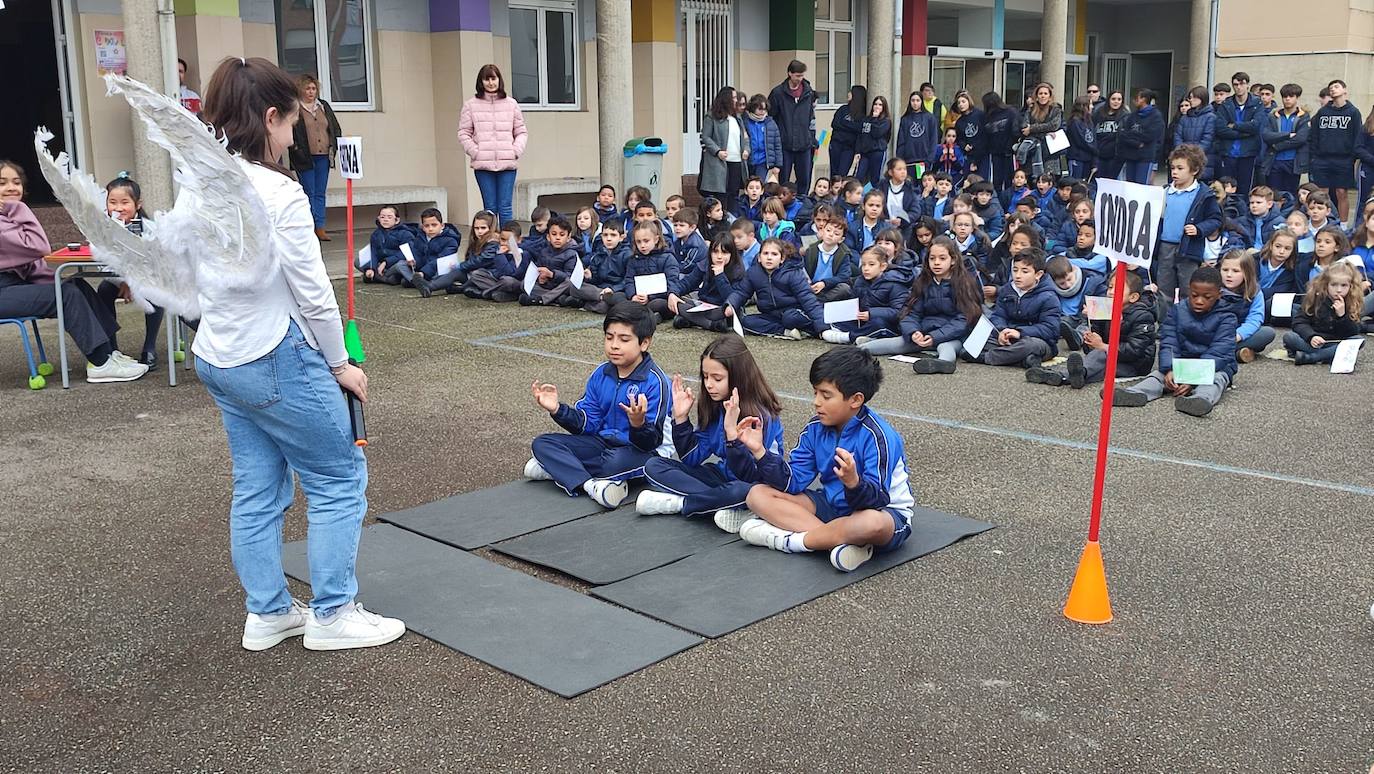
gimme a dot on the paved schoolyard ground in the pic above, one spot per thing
(1238, 550)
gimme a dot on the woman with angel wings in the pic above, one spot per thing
(239, 251)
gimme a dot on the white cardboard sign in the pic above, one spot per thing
(350, 158)
(1128, 216)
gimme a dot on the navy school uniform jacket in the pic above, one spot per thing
(1271, 280)
(1249, 314)
(1034, 314)
(908, 199)
(607, 214)
(598, 412)
(873, 134)
(745, 209)
(1238, 127)
(800, 212)
(917, 135)
(1324, 323)
(429, 251)
(1277, 141)
(851, 211)
(1065, 236)
(1335, 132)
(608, 267)
(786, 288)
(694, 447)
(1211, 335)
(1139, 335)
(1090, 283)
(845, 264)
(690, 251)
(657, 262)
(879, 457)
(386, 244)
(854, 237)
(1082, 145)
(948, 159)
(972, 139)
(710, 287)
(994, 219)
(1106, 128)
(936, 314)
(1258, 229)
(1000, 128)
(1205, 213)
(560, 262)
(976, 250)
(1010, 197)
(489, 257)
(884, 297)
(534, 240)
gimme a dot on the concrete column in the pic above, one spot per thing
(1054, 32)
(882, 18)
(1199, 43)
(148, 63)
(614, 94)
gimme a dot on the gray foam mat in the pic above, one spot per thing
(551, 636)
(608, 547)
(718, 591)
(476, 519)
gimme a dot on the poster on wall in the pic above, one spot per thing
(110, 55)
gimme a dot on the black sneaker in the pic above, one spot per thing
(1032, 361)
(1129, 398)
(1193, 405)
(1049, 376)
(1078, 375)
(1070, 336)
(425, 290)
(526, 300)
(933, 365)
(149, 359)
(681, 322)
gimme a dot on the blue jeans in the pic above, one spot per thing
(497, 190)
(796, 166)
(284, 413)
(315, 181)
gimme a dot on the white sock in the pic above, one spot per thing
(796, 543)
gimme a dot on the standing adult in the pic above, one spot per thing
(188, 98)
(724, 149)
(1331, 146)
(315, 139)
(1237, 133)
(792, 104)
(272, 356)
(1039, 120)
(934, 106)
(844, 131)
(1095, 97)
(491, 129)
(1197, 125)
(1285, 141)
(999, 128)
(1107, 121)
(1137, 145)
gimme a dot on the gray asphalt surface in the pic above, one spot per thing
(1238, 552)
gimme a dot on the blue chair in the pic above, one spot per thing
(41, 368)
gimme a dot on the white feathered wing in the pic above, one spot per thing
(217, 231)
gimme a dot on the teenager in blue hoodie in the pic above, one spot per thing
(973, 141)
(1025, 316)
(918, 133)
(385, 244)
(1191, 214)
(778, 284)
(1336, 130)
(882, 290)
(1198, 327)
(875, 129)
(1137, 144)
(1238, 132)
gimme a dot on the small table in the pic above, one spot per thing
(82, 265)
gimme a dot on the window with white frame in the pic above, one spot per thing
(331, 40)
(834, 50)
(543, 53)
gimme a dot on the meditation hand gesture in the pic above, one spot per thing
(750, 433)
(731, 405)
(845, 470)
(638, 407)
(682, 399)
(546, 395)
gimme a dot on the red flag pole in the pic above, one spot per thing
(348, 189)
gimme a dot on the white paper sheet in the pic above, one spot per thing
(1097, 307)
(978, 337)
(1282, 305)
(364, 257)
(703, 307)
(1346, 352)
(736, 324)
(908, 359)
(405, 251)
(651, 284)
(842, 311)
(1057, 142)
(447, 263)
(578, 274)
(531, 277)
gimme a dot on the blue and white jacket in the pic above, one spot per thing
(695, 447)
(879, 457)
(691, 251)
(598, 412)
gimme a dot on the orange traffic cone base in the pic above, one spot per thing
(1088, 602)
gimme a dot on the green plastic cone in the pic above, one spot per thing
(353, 342)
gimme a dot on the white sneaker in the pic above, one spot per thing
(730, 519)
(847, 558)
(834, 337)
(607, 494)
(794, 334)
(651, 503)
(352, 627)
(261, 632)
(862, 340)
(115, 370)
(758, 532)
(121, 357)
(535, 472)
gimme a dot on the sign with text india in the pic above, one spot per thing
(1128, 216)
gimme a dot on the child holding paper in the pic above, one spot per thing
(865, 502)
(483, 264)
(881, 292)
(944, 297)
(1136, 339)
(385, 243)
(778, 284)
(1197, 328)
(1240, 293)
(1330, 312)
(651, 272)
(1025, 316)
(732, 386)
(830, 264)
(437, 240)
(708, 284)
(1277, 272)
(1073, 284)
(542, 278)
(618, 424)
(603, 271)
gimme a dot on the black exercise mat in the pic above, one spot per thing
(609, 547)
(551, 636)
(718, 591)
(475, 519)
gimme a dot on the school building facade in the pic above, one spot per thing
(398, 71)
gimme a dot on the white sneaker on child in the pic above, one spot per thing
(847, 558)
(351, 627)
(834, 337)
(651, 503)
(535, 472)
(730, 519)
(794, 334)
(261, 632)
(115, 370)
(758, 532)
(607, 493)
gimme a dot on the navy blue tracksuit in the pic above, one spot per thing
(707, 488)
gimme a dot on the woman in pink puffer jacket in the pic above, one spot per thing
(492, 131)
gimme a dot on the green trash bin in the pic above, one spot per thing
(644, 165)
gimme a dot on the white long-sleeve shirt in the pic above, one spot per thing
(240, 326)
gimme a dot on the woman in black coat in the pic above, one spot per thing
(312, 152)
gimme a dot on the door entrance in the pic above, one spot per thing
(32, 34)
(707, 67)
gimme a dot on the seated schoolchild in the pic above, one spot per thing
(1025, 316)
(1137, 338)
(437, 240)
(882, 290)
(1240, 294)
(901, 200)
(649, 255)
(1019, 189)
(1262, 219)
(1276, 267)
(712, 218)
(732, 386)
(1078, 212)
(988, 209)
(708, 283)
(750, 203)
(778, 284)
(850, 198)
(775, 224)
(124, 203)
(1330, 312)
(585, 228)
(1073, 284)
(633, 196)
(688, 247)
(864, 229)
(995, 272)
(936, 204)
(604, 270)
(554, 261)
(482, 267)
(923, 232)
(539, 226)
(865, 501)
(1196, 327)
(899, 254)
(936, 319)
(1029, 207)
(972, 244)
(742, 231)
(385, 243)
(605, 204)
(830, 264)
(672, 206)
(618, 424)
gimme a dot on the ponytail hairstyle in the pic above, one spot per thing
(237, 99)
(652, 227)
(756, 398)
(124, 182)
